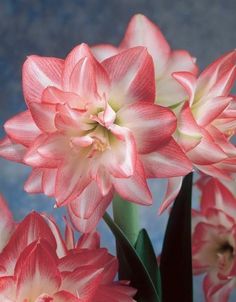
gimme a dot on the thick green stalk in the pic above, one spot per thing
(125, 215)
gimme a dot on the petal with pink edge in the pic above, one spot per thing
(89, 241)
(142, 32)
(37, 272)
(43, 115)
(218, 78)
(188, 134)
(151, 125)
(39, 73)
(34, 182)
(173, 187)
(11, 150)
(167, 161)
(87, 225)
(132, 77)
(134, 188)
(22, 129)
(76, 54)
(29, 230)
(82, 282)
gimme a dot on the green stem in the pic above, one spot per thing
(125, 215)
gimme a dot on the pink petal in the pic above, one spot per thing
(142, 32)
(134, 188)
(206, 152)
(167, 161)
(76, 54)
(132, 77)
(39, 73)
(7, 223)
(104, 51)
(11, 150)
(30, 229)
(49, 181)
(218, 78)
(188, 81)
(173, 188)
(22, 128)
(83, 282)
(43, 116)
(37, 272)
(217, 292)
(89, 79)
(89, 241)
(61, 247)
(188, 134)
(34, 159)
(71, 180)
(151, 125)
(120, 159)
(53, 95)
(34, 183)
(209, 109)
(87, 225)
(64, 296)
(115, 293)
(181, 61)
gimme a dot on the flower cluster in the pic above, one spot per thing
(107, 118)
(37, 264)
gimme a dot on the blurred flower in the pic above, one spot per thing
(92, 129)
(214, 239)
(37, 264)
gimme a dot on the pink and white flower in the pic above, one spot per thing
(38, 265)
(214, 240)
(92, 129)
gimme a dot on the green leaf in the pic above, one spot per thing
(131, 266)
(176, 257)
(144, 249)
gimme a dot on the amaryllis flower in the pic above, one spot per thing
(38, 265)
(206, 122)
(143, 32)
(214, 240)
(92, 129)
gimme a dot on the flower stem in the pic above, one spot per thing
(125, 215)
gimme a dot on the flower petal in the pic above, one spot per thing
(132, 77)
(188, 134)
(142, 32)
(173, 188)
(104, 51)
(11, 150)
(151, 125)
(167, 161)
(22, 129)
(76, 54)
(37, 272)
(39, 73)
(34, 182)
(134, 188)
(43, 116)
(87, 221)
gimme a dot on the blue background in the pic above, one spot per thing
(54, 27)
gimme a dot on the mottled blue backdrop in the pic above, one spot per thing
(53, 27)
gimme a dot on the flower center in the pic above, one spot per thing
(225, 257)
